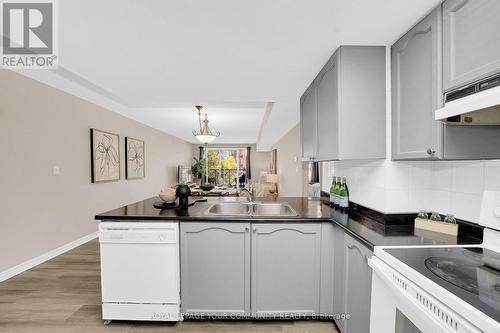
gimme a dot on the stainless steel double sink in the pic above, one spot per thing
(257, 209)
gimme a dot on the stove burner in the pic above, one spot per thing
(458, 272)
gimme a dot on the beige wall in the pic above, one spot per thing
(259, 161)
(290, 168)
(41, 127)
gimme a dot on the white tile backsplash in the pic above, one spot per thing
(465, 179)
(453, 187)
(492, 178)
(440, 201)
(461, 203)
(441, 176)
(420, 177)
(492, 164)
(397, 201)
(397, 177)
(419, 198)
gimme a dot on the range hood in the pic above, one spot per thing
(475, 104)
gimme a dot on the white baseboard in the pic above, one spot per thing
(13, 271)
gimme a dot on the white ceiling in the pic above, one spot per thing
(237, 122)
(154, 60)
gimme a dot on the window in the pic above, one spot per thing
(226, 166)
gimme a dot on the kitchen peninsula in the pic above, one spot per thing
(230, 259)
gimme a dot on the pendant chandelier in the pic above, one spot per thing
(204, 135)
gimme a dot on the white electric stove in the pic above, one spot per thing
(433, 289)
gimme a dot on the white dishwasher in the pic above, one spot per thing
(140, 271)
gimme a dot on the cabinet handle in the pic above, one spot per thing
(254, 230)
(352, 246)
(247, 229)
(430, 151)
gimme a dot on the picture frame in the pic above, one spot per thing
(135, 166)
(104, 156)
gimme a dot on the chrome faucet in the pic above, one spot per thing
(250, 193)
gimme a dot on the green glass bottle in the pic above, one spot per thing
(332, 192)
(344, 196)
(336, 191)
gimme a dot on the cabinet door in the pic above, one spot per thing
(358, 282)
(339, 277)
(362, 120)
(308, 136)
(285, 268)
(328, 111)
(471, 41)
(416, 91)
(215, 267)
(327, 268)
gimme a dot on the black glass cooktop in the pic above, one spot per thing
(473, 274)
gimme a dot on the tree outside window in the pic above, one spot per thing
(226, 165)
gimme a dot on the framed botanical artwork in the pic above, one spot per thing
(134, 158)
(105, 156)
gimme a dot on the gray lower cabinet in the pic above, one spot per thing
(339, 277)
(357, 286)
(215, 267)
(281, 274)
(285, 268)
(417, 92)
(328, 269)
(471, 41)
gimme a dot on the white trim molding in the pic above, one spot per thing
(13, 271)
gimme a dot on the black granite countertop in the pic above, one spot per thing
(373, 233)
(363, 228)
(308, 210)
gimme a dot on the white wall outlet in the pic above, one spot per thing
(56, 170)
(296, 169)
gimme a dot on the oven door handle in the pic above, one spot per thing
(376, 267)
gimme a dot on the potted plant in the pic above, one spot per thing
(198, 168)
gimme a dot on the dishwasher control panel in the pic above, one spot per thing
(138, 233)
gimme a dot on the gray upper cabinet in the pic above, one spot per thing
(358, 281)
(308, 124)
(343, 110)
(471, 41)
(417, 92)
(215, 267)
(327, 96)
(286, 268)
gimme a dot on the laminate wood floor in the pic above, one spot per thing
(63, 295)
